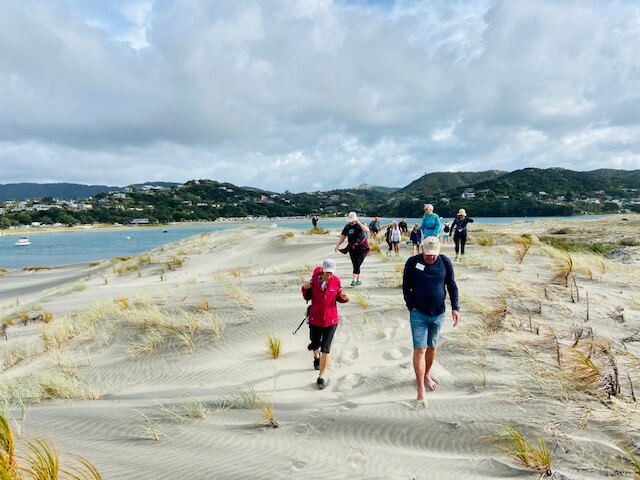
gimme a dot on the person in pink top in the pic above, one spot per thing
(326, 290)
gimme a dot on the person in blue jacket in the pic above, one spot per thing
(424, 281)
(430, 226)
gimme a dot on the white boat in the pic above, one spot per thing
(23, 242)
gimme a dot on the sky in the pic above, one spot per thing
(306, 95)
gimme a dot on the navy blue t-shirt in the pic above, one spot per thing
(423, 285)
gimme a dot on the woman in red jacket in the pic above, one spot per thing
(326, 290)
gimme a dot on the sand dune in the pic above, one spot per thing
(169, 352)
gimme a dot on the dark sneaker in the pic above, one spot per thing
(358, 283)
(353, 283)
(321, 383)
(316, 363)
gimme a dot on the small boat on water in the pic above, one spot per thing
(23, 242)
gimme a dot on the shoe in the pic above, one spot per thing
(316, 363)
(353, 283)
(321, 383)
(358, 283)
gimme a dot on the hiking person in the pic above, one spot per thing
(326, 290)
(416, 239)
(357, 244)
(374, 226)
(459, 228)
(446, 230)
(402, 225)
(423, 286)
(396, 235)
(314, 221)
(387, 238)
(430, 225)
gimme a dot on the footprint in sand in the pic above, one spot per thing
(348, 356)
(298, 465)
(349, 382)
(356, 460)
(346, 406)
(396, 353)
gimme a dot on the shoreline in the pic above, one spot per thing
(26, 230)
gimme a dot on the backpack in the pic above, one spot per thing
(446, 228)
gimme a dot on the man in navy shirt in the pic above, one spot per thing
(423, 285)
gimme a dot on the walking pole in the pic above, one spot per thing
(303, 320)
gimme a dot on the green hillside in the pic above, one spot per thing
(431, 184)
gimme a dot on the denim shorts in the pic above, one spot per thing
(425, 328)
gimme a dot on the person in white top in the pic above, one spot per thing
(396, 235)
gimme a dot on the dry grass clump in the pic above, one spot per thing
(189, 409)
(237, 293)
(375, 247)
(246, 399)
(16, 353)
(362, 299)
(47, 316)
(54, 383)
(485, 241)
(175, 262)
(151, 428)
(525, 242)
(144, 260)
(287, 235)
(492, 314)
(318, 231)
(42, 460)
(127, 268)
(534, 456)
(157, 327)
(274, 345)
(268, 414)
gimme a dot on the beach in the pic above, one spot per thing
(157, 366)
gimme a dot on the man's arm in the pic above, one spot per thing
(407, 282)
(452, 288)
(437, 226)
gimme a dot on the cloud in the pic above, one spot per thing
(308, 94)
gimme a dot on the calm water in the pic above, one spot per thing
(69, 247)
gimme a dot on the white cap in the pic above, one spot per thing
(329, 265)
(431, 246)
(352, 217)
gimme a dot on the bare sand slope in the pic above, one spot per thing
(169, 352)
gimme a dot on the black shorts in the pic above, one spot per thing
(321, 337)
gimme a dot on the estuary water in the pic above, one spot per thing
(64, 247)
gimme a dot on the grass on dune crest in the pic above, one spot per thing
(534, 455)
(40, 461)
(236, 292)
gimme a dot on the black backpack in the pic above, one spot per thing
(446, 228)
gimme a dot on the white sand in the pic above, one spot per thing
(364, 424)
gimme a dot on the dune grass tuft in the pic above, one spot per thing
(41, 462)
(151, 428)
(318, 231)
(274, 345)
(268, 414)
(536, 457)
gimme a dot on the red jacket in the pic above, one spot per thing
(324, 311)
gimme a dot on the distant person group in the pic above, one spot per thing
(428, 277)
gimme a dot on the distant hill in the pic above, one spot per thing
(156, 184)
(377, 188)
(559, 181)
(63, 191)
(433, 183)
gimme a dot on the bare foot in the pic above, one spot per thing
(430, 383)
